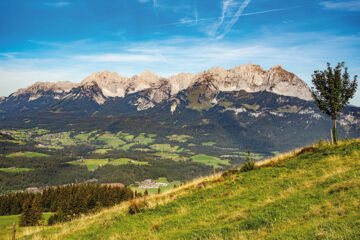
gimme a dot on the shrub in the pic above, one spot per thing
(248, 166)
(137, 206)
(52, 220)
(308, 150)
(250, 163)
(321, 142)
(230, 172)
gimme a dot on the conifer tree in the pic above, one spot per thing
(26, 215)
(333, 90)
(32, 212)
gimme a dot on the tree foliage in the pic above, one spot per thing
(333, 89)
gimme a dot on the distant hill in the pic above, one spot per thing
(310, 193)
(247, 106)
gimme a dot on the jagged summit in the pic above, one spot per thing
(250, 78)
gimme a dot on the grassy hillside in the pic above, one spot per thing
(312, 193)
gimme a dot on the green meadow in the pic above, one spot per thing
(27, 154)
(179, 138)
(210, 160)
(6, 223)
(15, 170)
(93, 164)
(166, 148)
(313, 193)
(209, 144)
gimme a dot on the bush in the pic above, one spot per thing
(230, 172)
(137, 206)
(321, 142)
(52, 220)
(248, 166)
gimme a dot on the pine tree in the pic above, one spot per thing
(333, 90)
(37, 209)
(26, 215)
(32, 212)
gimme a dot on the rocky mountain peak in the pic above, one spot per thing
(38, 89)
(286, 83)
(149, 77)
(250, 78)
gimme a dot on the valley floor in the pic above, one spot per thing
(312, 193)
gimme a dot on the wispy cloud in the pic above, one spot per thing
(220, 19)
(57, 4)
(342, 5)
(154, 3)
(118, 58)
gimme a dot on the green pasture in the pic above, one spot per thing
(209, 160)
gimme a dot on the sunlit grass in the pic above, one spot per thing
(310, 193)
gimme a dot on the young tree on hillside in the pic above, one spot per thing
(333, 90)
(32, 212)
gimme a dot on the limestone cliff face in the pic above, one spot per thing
(251, 78)
(39, 89)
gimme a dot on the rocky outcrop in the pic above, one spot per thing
(39, 87)
(250, 78)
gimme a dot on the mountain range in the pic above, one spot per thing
(246, 106)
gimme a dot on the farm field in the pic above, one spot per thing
(15, 170)
(209, 160)
(27, 154)
(209, 144)
(93, 164)
(166, 148)
(179, 138)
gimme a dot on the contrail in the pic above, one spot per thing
(226, 5)
(235, 18)
(215, 18)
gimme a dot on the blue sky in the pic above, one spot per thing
(44, 40)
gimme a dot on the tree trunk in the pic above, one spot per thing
(335, 132)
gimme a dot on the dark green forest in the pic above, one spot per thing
(67, 201)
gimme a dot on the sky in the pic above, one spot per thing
(67, 40)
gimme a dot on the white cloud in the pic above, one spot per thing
(342, 5)
(58, 4)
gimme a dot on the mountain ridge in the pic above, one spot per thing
(251, 78)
